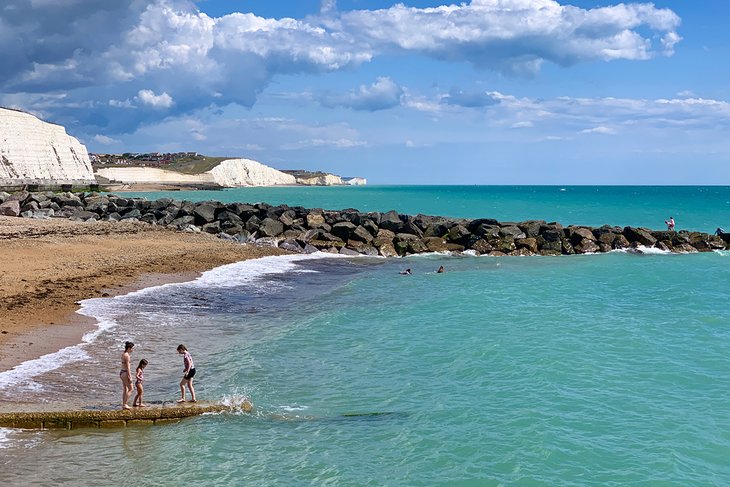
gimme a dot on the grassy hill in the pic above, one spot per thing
(194, 165)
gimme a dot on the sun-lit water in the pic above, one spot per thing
(607, 369)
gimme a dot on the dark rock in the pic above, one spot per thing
(30, 206)
(512, 231)
(506, 245)
(458, 233)
(233, 230)
(253, 224)
(529, 243)
(685, 248)
(291, 246)
(132, 213)
(475, 224)
(482, 246)
(270, 227)
(620, 242)
(435, 244)
(361, 234)
(586, 246)
(83, 215)
(19, 196)
(343, 230)
(417, 247)
(204, 213)
(148, 218)
(577, 234)
(182, 221)
(640, 235)
(346, 251)
(391, 221)
(531, 227)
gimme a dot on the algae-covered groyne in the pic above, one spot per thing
(109, 418)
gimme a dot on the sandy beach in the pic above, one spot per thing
(49, 265)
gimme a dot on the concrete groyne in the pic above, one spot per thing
(110, 418)
(352, 232)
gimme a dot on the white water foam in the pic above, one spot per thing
(230, 275)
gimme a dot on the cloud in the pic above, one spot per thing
(518, 36)
(382, 94)
(599, 130)
(170, 58)
(103, 139)
(470, 99)
(148, 97)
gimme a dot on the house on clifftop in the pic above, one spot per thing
(40, 155)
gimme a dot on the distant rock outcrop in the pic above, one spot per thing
(34, 152)
(323, 180)
(232, 173)
(355, 181)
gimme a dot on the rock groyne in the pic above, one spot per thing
(352, 232)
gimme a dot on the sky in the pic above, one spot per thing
(411, 92)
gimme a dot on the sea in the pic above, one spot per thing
(606, 369)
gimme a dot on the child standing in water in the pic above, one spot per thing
(138, 383)
(188, 374)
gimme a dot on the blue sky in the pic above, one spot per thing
(417, 92)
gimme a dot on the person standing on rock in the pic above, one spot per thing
(188, 373)
(126, 374)
(670, 223)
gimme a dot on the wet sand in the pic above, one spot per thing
(47, 266)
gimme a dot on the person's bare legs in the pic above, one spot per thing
(182, 390)
(127, 385)
(192, 391)
(138, 398)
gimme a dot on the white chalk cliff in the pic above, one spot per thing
(323, 180)
(232, 173)
(133, 175)
(36, 152)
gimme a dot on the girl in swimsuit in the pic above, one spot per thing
(188, 374)
(126, 374)
(138, 383)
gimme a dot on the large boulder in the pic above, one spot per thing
(270, 227)
(642, 236)
(343, 230)
(10, 208)
(204, 213)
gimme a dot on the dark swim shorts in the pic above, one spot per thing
(190, 374)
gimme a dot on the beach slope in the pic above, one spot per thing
(49, 265)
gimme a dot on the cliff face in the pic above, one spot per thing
(323, 180)
(37, 152)
(133, 175)
(246, 172)
(355, 181)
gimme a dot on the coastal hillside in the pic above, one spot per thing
(197, 170)
(34, 152)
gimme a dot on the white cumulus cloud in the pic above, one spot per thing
(148, 97)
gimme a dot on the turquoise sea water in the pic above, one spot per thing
(609, 369)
